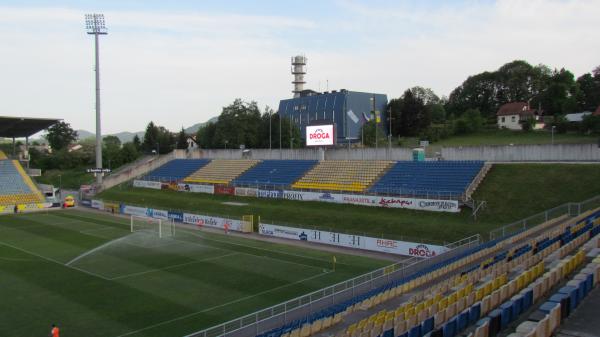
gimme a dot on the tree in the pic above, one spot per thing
(182, 140)
(110, 151)
(409, 114)
(112, 141)
(471, 121)
(589, 85)
(60, 135)
(368, 133)
(137, 143)
(206, 135)
(150, 138)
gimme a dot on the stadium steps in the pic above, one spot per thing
(221, 171)
(477, 181)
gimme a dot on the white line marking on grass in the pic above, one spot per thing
(81, 256)
(173, 266)
(223, 305)
(54, 261)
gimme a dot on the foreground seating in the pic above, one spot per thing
(343, 175)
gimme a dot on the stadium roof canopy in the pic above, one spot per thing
(19, 127)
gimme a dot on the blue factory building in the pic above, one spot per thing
(347, 110)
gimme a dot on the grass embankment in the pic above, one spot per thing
(70, 179)
(512, 192)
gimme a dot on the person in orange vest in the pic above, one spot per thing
(226, 226)
(55, 331)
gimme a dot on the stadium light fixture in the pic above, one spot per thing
(95, 25)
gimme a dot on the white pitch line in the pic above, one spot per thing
(53, 261)
(173, 266)
(223, 305)
(81, 256)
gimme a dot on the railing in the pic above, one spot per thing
(571, 209)
(304, 305)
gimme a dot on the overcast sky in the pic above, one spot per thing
(179, 62)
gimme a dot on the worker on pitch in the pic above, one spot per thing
(54, 332)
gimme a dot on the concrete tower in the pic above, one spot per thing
(298, 70)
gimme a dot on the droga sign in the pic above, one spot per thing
(319, 135)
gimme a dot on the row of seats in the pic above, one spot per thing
(501, 263)
(428, 177)
(176, 170)
(220, 171)
(16, 187)
(343, 175)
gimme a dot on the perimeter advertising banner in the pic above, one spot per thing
(365, 200)
(352, 241)
(208, 189)
(211, 221)
(156, 185)
(134, 210)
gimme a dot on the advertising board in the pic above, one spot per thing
(156, 185)
(97, 204)
(134, 210)
(224, 190)
(211, 221)
(157, 213)
(272, 194)
(352, 241)
(320, 135)
(176, 216)
(246, 192)
(209, 189)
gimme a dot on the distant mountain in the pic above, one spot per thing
(128, 136)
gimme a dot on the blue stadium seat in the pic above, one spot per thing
(275, 173)
(442, 178)
(176, 169)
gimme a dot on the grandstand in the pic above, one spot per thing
(479, 292)
(16, 186)
(443, 178)
(343, 175)
(176, 170)
(220, 171)
(276, 173)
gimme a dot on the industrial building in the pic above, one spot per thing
(347, 110)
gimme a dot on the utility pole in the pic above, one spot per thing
(94, 23)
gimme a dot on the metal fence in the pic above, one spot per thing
(570, 209)
(280, 314)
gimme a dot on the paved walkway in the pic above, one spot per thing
(585, 320)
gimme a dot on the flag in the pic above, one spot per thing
(377, 117)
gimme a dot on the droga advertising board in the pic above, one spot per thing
(147, 184)
(319, 135)
(353, 241)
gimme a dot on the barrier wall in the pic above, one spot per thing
(352, 241)
(517, 153)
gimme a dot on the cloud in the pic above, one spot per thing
(179, 68)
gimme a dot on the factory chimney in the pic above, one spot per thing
(298, 70)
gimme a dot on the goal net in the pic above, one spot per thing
(160, 227)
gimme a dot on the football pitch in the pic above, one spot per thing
(90, 275)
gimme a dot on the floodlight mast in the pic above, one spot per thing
(94, 24)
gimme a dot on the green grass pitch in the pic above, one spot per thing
(140, 285)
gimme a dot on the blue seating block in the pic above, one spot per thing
(474, 313)
(427, 325)
(388, 333)
(415, 331)
(449, 328)
(573, 293)
(517, 307)
(527, 299)
(507, 314)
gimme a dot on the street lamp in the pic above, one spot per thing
(226, 141)
(553, 127)
(375, 116)
(94, 24)
(270, 114)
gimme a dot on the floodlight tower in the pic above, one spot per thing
(94, 24)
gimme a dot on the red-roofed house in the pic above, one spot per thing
(510, 115)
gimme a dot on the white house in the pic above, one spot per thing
(510, 115)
